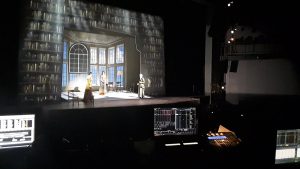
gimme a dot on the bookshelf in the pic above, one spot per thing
(40, 56)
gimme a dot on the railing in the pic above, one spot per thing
(241, 51)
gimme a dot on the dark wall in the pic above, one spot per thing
(184, 49)
(9, 47)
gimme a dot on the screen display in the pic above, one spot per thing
(65, 41)
(175, 121)
(287, 146)
(16, 131)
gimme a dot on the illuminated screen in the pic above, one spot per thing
(287, 146)
(64, 40)
(175, 121)
(16, 131)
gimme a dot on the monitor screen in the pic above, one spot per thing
(175, 121)
(287, 146)
(63, 42)
(16, 130)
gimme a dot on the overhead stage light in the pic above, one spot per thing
(190, 143)
(172, 144)
(229, 4)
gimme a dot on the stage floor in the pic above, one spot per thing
(111, 95)
(115, 101)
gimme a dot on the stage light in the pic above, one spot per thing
(222, 87)
(228, 41)
(231, 39)
(212, 112)
(190, 143)
(232, 31)
(229, 4)
(242, 115)
(172, 144)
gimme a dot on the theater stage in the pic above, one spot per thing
(115, 101)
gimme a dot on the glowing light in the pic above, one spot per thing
(222, 87)
(228, 41)
(229, 4)
(217, 138)
(191, 143)
(231, 39)
(232, 31)
(172, 144)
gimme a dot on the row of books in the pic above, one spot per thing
(46, 16)
(40, 99)
(41, 67)
(42, 57)
(51, 78)
(43, 46)
(152, 55)
(40, 89)
(155, 71)
(45, 26)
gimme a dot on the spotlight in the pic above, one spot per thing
(228, 41)
(230, 3)
(223, 87)
(232, 31)
(231, 39)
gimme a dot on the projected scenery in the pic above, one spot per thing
(175, 121)
(287, 146)
(69, 47)
(16, 131)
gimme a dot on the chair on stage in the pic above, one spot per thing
(73, 95)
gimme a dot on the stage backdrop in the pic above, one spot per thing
(63, 40)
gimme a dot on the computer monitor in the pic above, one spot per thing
(287, 146)
(16, 130)
(175, 121)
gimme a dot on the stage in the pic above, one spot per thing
(120, 99)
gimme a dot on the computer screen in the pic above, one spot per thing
(175, 121)
(17, 130)
(287, 146)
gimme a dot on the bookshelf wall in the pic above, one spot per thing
(41, 53)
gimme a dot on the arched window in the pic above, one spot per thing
(78, 58)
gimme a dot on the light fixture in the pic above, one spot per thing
(222, 87)
(230, 3)
(231, 39)
(232, 31)
(190, 143)
(172, 144)
(228, 41)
